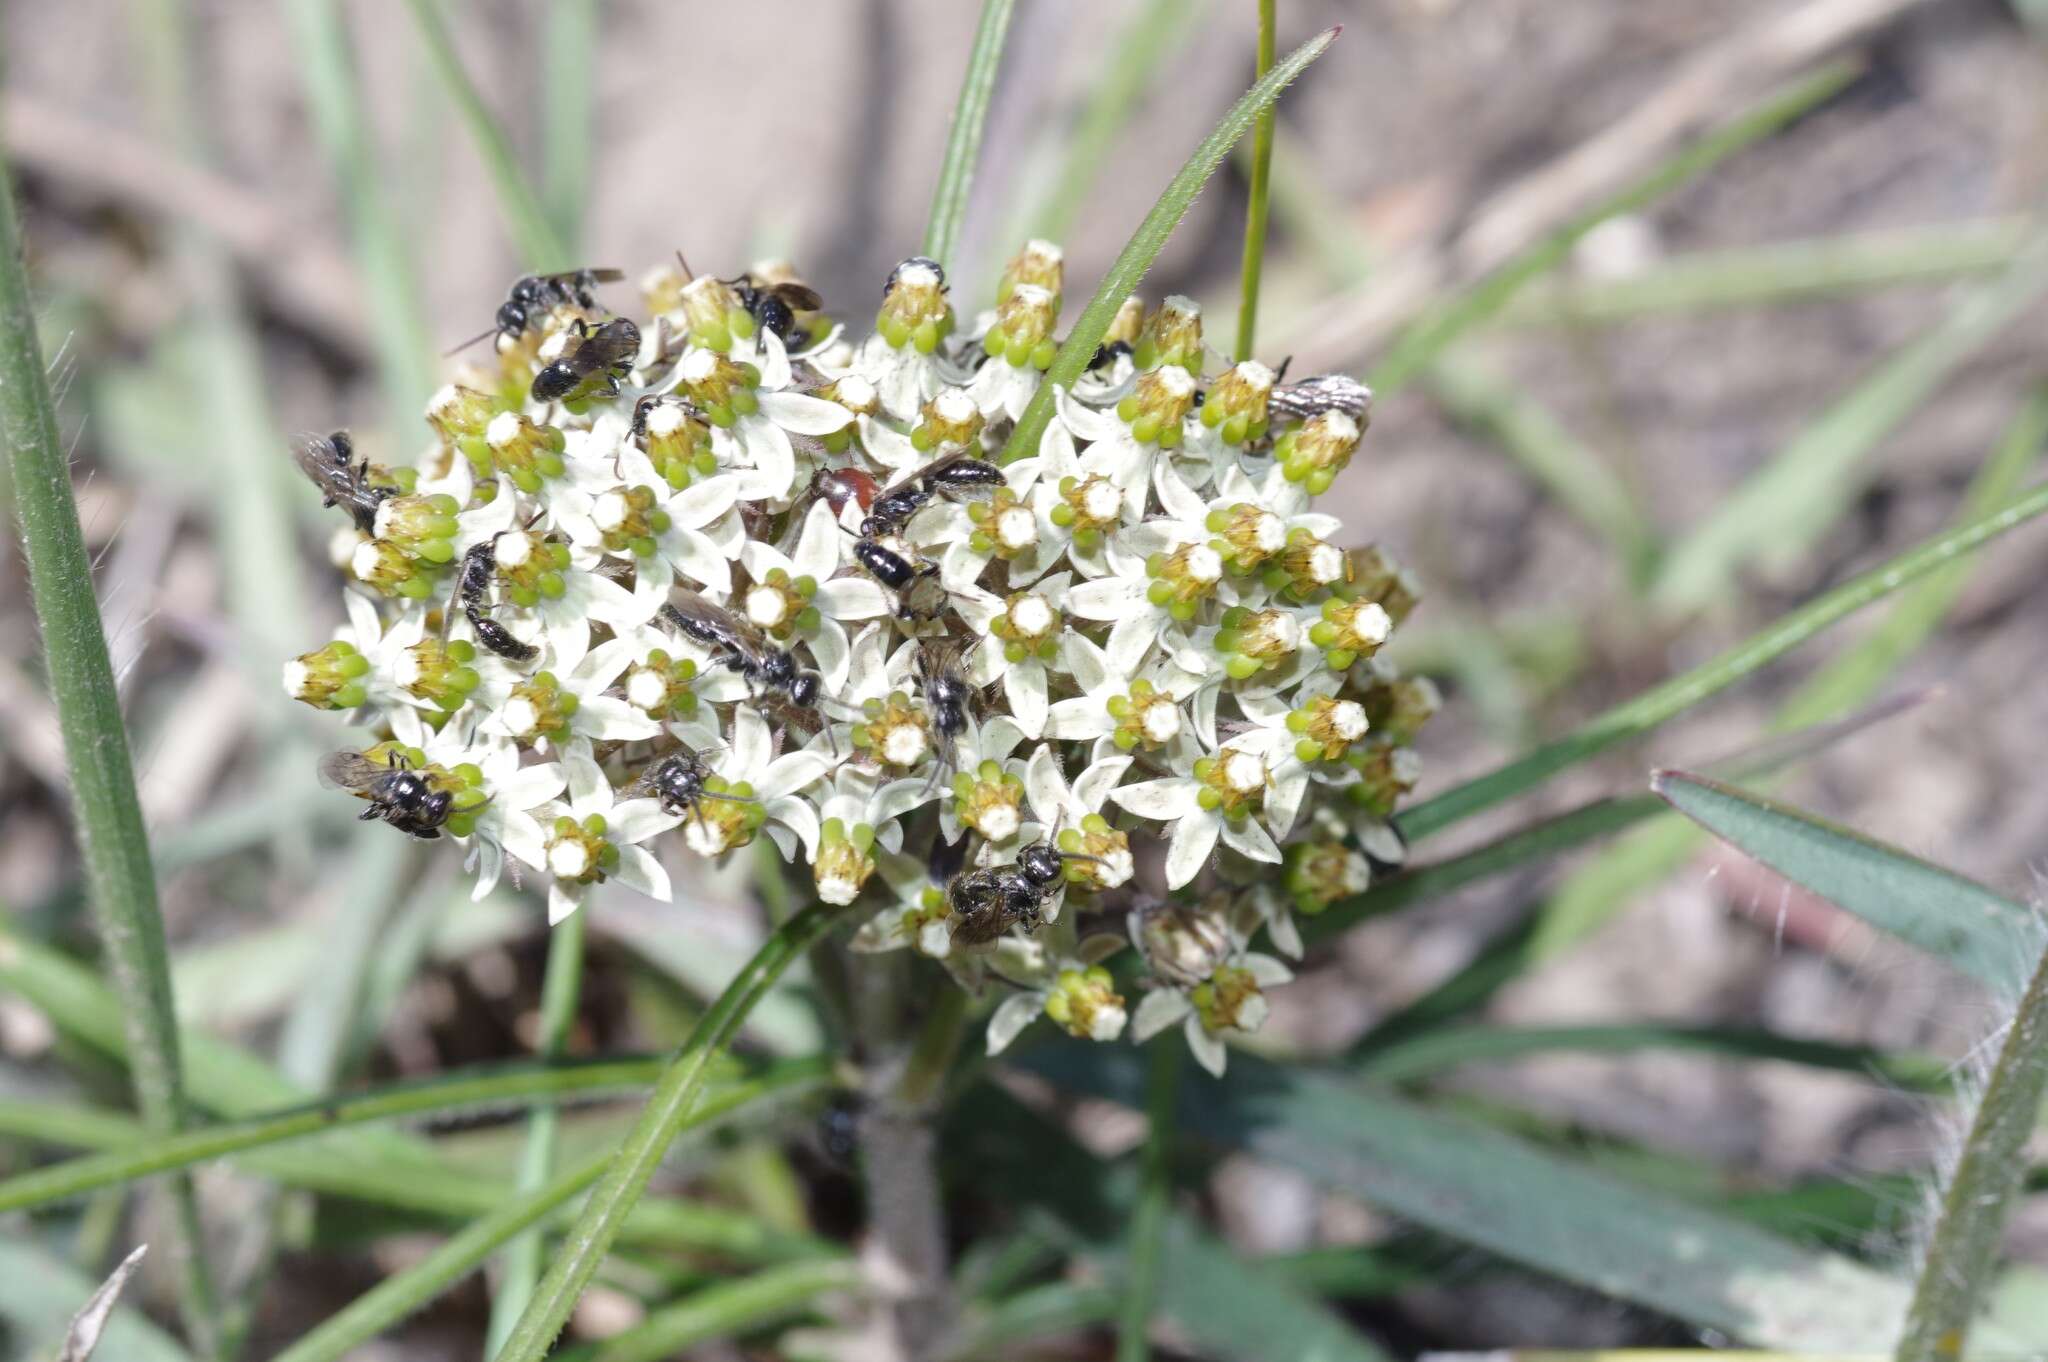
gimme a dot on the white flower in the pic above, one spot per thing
(529, 710)
(387, 647)
(602, 844)
(1070, 987)
(1163, 1007)
(1238, 784)
(1152, 705)
(1060, 805)
(815, 560)
(514, 792)
(776, 783)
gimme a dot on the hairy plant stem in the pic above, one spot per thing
(904, 1075)
(120, 880)
(1255, 209)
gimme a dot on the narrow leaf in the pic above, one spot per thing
(1952, 918)
(963, 140)
(439, 1096)
(91, 1320)
(724, 1310)
(39, 1292)
(626, 1177)
(1145, 245)
(1787, 505)
(1255, 208)
(1494, 1191)
(120, 881)
(539, 243)
(1638, 716)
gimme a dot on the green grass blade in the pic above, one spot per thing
(1145, 244)
(1638, 716)
(1154, 34)
(540, 245)
(1788, 504)
(1419, 344)
(1548, 453)
(1143, 1260)
(1497, 1192)
(724, 1310)
(568, 137)
(1595, 892)
(667, 1111)
(1961, 1260)
(1782, 272)
(439, 1096)
(963, 138)
(561, 990)
(1952, 918)
(1255, 209)
(405, 349)
(121, 885)
(1427, 1056)
(393, 1299)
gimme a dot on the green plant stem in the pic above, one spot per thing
(963, 140)
(1155, 33)
(397, 1297)
(1155, 1197)
(405, 353)
(631, 1167)
(561, 990)
(1962, 1254)
(1635, 717)
(1144, 246)
(1255, 208)
(570, 66)
(539, 243)
(1418, 345)
(121, 886)
(723, 1310)
(129, 1159)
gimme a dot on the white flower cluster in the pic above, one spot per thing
(742, 576)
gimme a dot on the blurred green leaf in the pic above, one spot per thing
(1128, 67)
(1952, 918)
(963, 138)
(569, 58)
(1419, 345)
(1233, 1307)
(1781, 272)
(1431, 1053)
(1785, 507)
(1144, 245)
(1544, 1212)
(1254, 260)
(1635, 717)
(540, 244)
(723, 1310)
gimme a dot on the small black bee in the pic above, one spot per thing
(915, 262)
(1106, 355)
(1314, 396)
(775, 305)
(533, 296)
(676, 782)
(949, 697)
(398, 794)
(742, 648)
(329, 461)
(603, 353)
(920, 595)
(479, 566)
(954, 474)
(989, 901)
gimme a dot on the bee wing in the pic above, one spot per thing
(715, 621)
(349, 771)
(800, 297)
(320, 460)
(596, 276)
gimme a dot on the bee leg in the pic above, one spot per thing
(370, 815)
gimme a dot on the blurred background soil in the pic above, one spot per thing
(813, 130)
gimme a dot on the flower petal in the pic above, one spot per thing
(563, 900)
(803, 414)
(1208, 1049)
(1109, 598)
(1010, 1018)
(1157, 1010)
(639, 870)
(1248, 836)
(1194, 838)
(1173, 797)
